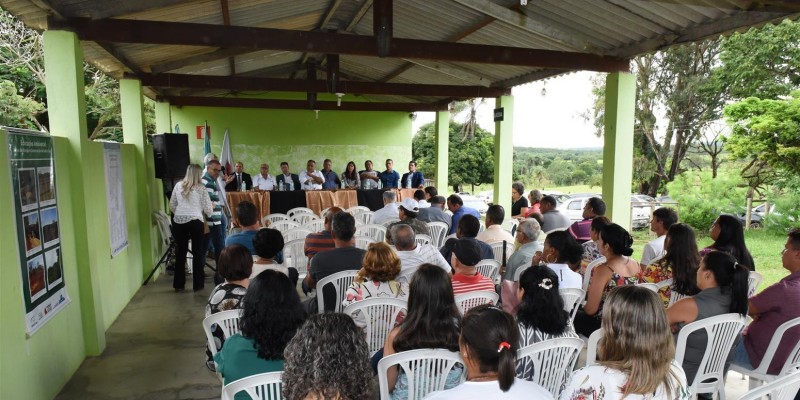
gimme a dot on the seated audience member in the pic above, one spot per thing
(271, 315)
(412, 178)
(663, 218)
(413, 254)
(432, 321)
(540, 314)
(328, 358)
(534, 197)
(723, 289)
(456, 206)
(389, 178)
(595, 207)
(552, 219)
(268, 242)
(350, 176)
(311, 179)
(435, 213)
(494, 232)
(635, 354)
(287, 177)
(241, 181)
(247, 214)
(235, 266)
(368, 176)
(468, 228)
(519, 206)
(590, 250)
(419, 196)
(331, 178)
(408, 212)
(430, 192)
(264, 181)
(559, 252)
(376, 278)
(527, 234)
(680, 263)
(466, 255)
(728, 235)
(489, 343)
(772, 307)
(618, 270)
(344, 257)
(389, 210)
(321, 241)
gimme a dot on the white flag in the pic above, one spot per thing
(225, 157)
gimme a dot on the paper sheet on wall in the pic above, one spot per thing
(115, 202)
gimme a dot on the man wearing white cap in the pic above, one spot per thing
(407, 212)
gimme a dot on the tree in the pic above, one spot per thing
(15, 110)
(470, 161)
(470, 124)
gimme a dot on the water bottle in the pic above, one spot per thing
(342, 182)
(244, 187)
(280, 186)
(291, 185)
(380, 184)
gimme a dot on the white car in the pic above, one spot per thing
(573, 209)
(474, 202)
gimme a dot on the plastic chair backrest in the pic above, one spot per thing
(489, 268)
(549, 363)
(358, 209)
(405, 275)
(295, 233)
(784, 388)
(273, 218)
(466, 301)
(376, 232)
(792, 363)
(364, 216)
(510, 226)
(340, 282)
(228, 321)
(163, 224)
(588, 274)
(422, 238)
(322, 212)
(362, 242)
(380, 315)
(265, 386)
(721, 331)
(753, 280)
(518, 273)
(317, 225)
(438, 232)
(425, 369)
(572, 299)
(555, 230)
(300, 210)
(591, 347)
(497, 250)
(284, 225)
(388, 222)
(294, 255)
(303, 218)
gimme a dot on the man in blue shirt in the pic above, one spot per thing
(247, 215)
(413, 178)
(456, 206)
(390, 177)
(331, 178)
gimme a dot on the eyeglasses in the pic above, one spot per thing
(784, 251)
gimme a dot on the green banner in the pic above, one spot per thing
(39, 237)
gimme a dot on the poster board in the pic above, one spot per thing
(115, 200)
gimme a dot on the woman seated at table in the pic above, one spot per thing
(271, 315)
(376, 278)
(350, 177)
(679, 263)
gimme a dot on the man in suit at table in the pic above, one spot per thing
(287, 177)
(240, 178)
(412, 178)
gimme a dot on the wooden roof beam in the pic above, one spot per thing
(239, 102)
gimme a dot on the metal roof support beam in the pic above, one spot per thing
(239, 102)
(191, 34)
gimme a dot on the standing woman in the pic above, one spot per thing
(680, 263)
(350, 177)
(519, 208)
(728, 236)
(723, 289)
(189, 201)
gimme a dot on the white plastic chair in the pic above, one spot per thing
(572, 299)
(265, 386)
(365, 217)
(497, 250)
(422, 238)
(438, 232)
(273, 218)
(549, 363)
(362, 242)
(300, 210)
(647, 285)
(357, 209)
(284, 225)
(379, 314)
(425, 369)
(489, 268)
(405, 275)
(294, 255)
(722, 330)
(340, 282)
(591, 347)
(555, 230)
(228, 321)
(521, 270)
(466, 301)
(510, 225)
(588, 274)
(386, 223)
(753, 280)
(322, 213)
(784, 388)
(295, 233)
(376, 232)
(317, 225)
(792, 364)
(303, 218)
(673, 295)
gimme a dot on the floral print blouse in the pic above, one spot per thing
(369, 288)
(597, 382)
(655, 273)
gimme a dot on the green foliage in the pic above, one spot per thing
(702, 198)
(15, 110)
(471, 161)
(539, 168)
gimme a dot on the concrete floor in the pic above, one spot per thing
(155, 351)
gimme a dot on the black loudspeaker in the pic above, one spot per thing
(171, 155)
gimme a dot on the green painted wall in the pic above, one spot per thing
(295, 136)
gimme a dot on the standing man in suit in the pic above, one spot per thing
(287, 177)
(412, 178)
(239, 177)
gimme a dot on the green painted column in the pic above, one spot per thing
(133, 132)
(504, 153)
(618, 146)
(163, 117)
(442, 150)
(66, 103)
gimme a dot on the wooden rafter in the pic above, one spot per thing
(240, 102)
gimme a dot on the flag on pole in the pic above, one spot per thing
(225, 157)
(207, 136)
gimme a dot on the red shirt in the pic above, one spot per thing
(465, 283)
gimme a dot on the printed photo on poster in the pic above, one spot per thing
(36, 286)
(46, 186)
(33, 237)
(27, 188)
(52, 259)
(50, 226)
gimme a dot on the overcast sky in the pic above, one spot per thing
(544, 118)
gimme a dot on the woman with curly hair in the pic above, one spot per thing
(328, 359)
(680, 263)
(636, 353)
(376, 278)
(432, 322)
(728, 236)
(271, 315)
(540, 314)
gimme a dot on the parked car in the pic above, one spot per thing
(573, 209)
(756, 221)
(474, 202)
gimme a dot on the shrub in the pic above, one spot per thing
(702, 198)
